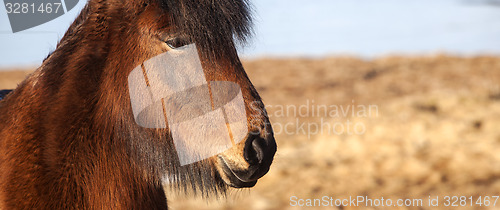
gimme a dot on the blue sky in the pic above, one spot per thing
(315, 28)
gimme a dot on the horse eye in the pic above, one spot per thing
(176, 42)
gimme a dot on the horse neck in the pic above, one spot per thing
(80, 162)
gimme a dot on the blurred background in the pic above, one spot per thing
(429, 69)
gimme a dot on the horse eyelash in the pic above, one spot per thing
(176, 40)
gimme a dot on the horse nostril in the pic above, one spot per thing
(254, 150)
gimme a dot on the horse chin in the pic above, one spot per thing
(229, 176)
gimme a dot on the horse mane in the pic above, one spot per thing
(212, 25)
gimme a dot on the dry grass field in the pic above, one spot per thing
(434, 130)
(11, 78)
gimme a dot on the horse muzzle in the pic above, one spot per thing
(242, 165)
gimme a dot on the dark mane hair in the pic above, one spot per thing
(212, 25)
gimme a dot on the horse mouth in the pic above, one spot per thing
(231, 178)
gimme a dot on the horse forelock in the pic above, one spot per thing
(213, 25)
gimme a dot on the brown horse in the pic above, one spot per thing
(68, 139)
